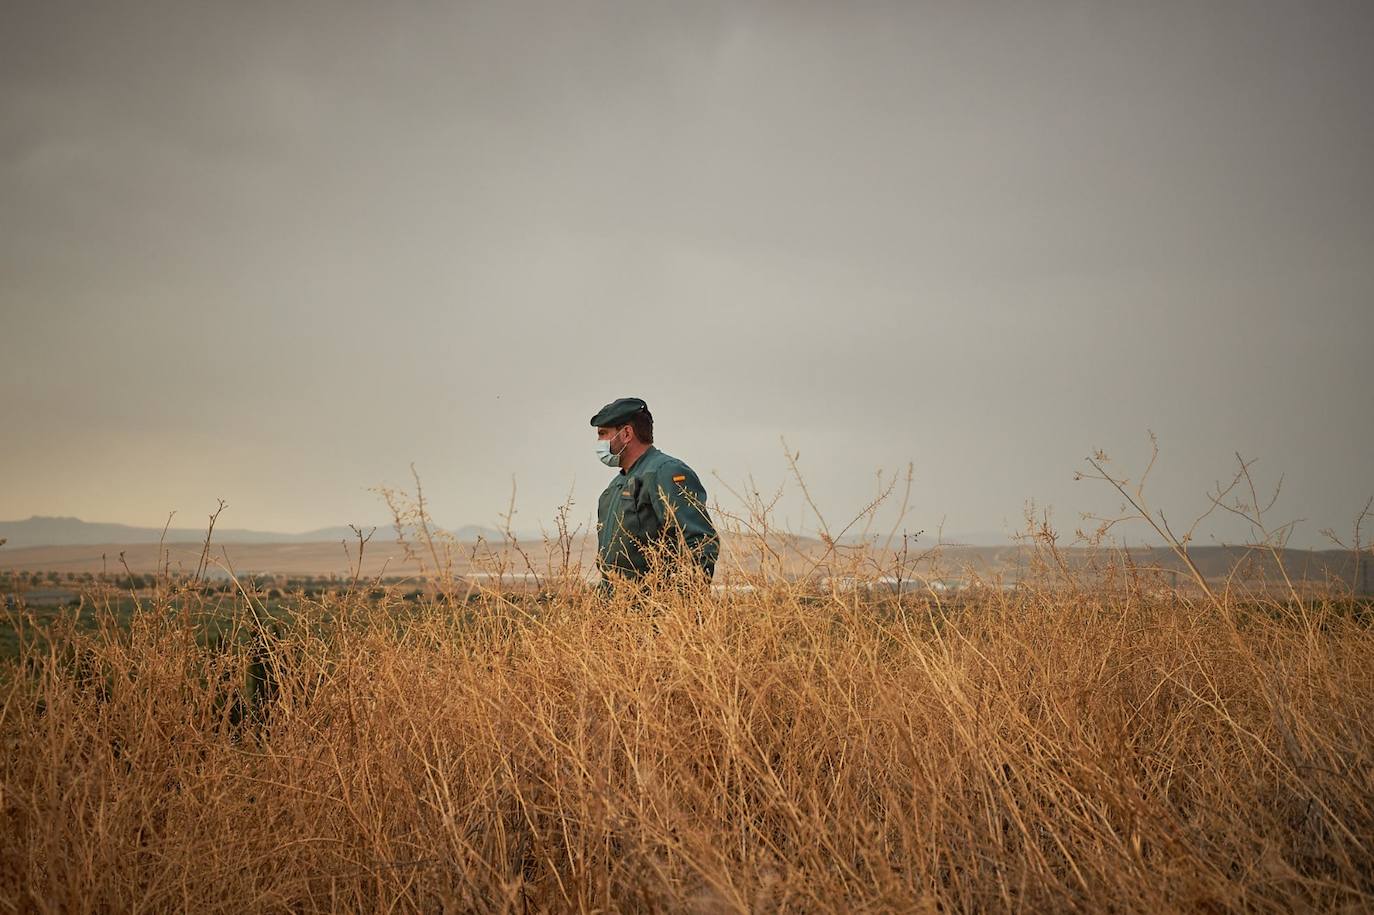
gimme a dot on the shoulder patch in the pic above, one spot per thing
(679, 477)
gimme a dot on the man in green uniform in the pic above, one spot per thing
(655, 506)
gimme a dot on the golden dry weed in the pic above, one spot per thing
(1095, 748)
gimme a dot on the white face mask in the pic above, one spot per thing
(605, 454)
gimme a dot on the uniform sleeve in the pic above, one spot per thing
(679, 500)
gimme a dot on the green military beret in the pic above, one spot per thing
(618, 412)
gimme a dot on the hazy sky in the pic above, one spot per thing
(274, 252)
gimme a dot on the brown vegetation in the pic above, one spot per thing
(1090, 739)
(1091, 747)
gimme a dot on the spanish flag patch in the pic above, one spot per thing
(679, 478)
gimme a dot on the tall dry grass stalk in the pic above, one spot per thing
(822, 737)
(1028, 749)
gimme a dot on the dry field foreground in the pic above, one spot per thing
(1087, 744)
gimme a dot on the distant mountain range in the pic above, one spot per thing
(46, 531)
(42, 530)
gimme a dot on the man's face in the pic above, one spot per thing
(618, 436)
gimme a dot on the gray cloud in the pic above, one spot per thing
(277, 252)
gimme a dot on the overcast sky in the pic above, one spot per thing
(275, 252)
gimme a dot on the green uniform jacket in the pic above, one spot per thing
(659, 499)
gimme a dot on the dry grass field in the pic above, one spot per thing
(835, 730)
(1093, 742)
